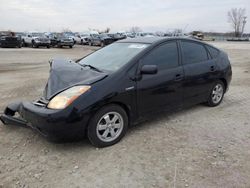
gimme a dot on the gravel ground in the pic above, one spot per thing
(195, 147)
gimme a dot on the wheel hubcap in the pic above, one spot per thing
(109, 126)
(217, 93)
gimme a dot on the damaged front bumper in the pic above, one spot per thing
(53, 124)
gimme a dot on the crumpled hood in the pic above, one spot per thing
(66, 73)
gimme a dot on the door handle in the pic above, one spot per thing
(212, 68)
(178, 77)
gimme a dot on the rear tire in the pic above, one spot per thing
(108, 126)
(216, 94)
(34, 45)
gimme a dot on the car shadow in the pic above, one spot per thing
(84, 143)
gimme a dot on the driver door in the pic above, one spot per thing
(162, 90)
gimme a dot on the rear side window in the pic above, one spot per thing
(213, 52)
(164, 56)
(193, 52)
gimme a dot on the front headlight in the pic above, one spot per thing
(65, 98)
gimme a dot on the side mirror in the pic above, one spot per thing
(149, 69)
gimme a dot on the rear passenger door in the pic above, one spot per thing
(200, 71)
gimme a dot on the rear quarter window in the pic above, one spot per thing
(213, 52)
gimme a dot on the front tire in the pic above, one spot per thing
(216, 94)
(108, 126)
(34, 45)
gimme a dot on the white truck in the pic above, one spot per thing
(35, 40)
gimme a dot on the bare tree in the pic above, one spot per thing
(237, 17)
(135, 29)
(107, 30)
(66, 30)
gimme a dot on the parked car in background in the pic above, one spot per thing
(117, 36)
(144, 34)
(104, 93)
(10, 40)
(127, 34)
(63, 40)
(60, 40)
(100, 40)
(52, 38)
(84, 38)
(74, 36)
(36, 40)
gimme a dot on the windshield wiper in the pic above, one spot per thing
(92, 67)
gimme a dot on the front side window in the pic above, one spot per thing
(165, 56)
(193, 52)
(114, 56)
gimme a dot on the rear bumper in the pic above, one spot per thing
(53, 124)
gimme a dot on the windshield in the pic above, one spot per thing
(114, 56)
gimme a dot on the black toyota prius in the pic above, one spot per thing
(102, 94)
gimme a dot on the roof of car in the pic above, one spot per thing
(151, 40)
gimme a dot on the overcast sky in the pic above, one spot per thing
(119, 15)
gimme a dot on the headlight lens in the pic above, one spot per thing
(65, 98)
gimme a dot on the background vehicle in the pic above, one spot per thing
(36, 40)
(144, 34)
(10, 40)
(117, 36)
(84, 38)
(116, 86)
(52, 38)
(74, 36)
(63, 40)
(60, 40)
(100, 40)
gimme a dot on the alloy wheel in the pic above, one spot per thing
(109, 126)
(217, 93)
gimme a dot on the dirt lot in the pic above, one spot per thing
(196, 147)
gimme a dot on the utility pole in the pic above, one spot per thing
(243, 26)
